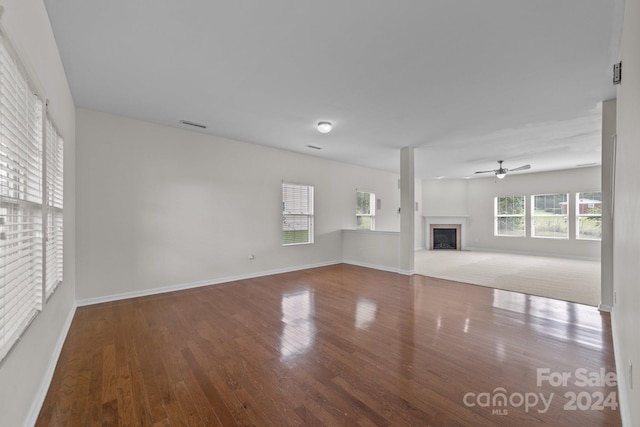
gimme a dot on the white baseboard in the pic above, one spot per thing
(38, 400)
(373, 266)
(379, 267)
(621, 374)
(604, 307)
(183, 286)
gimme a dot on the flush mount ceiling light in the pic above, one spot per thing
(324, 127)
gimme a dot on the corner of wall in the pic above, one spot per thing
(623, 400)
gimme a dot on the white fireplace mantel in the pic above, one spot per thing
(446, 219)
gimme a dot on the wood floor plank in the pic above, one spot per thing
(216, 401)
(336, 346)
(109, 373)
(124, 393)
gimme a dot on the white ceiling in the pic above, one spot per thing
(464, 82)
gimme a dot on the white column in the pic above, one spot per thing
(406, 253)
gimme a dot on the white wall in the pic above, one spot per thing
(626, 220)
(161, 207)
(445, 197)
(374, 249)
(475, 199)
(26, 372)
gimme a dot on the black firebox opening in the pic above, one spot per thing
(445, 238)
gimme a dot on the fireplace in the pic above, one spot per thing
(445, 236)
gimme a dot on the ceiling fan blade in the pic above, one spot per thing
(521, 168)
(484, 171)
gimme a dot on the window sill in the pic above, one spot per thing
(297, 244)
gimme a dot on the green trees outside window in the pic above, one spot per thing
(510, 216)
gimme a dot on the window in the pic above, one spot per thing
(589, 216)
(24, 213)
(297, 214)
(510, 216)
(365, 210)
(550, 215)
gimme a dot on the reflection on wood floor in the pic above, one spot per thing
(338, 345)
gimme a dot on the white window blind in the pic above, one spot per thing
(20, 201)
(54, 207)
(297, 214)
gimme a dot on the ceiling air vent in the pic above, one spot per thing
(188, 123)
(315, 147)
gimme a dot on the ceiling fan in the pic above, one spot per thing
(502, 172)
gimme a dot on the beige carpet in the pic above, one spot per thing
(559, 278)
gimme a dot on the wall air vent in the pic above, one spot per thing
(188, 123)
(617, 73)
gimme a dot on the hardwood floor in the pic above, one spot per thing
(338, 345)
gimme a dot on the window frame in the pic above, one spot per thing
(535, 216)
(296, 210)
(53, 221)
(498, 216)
(372, 210)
